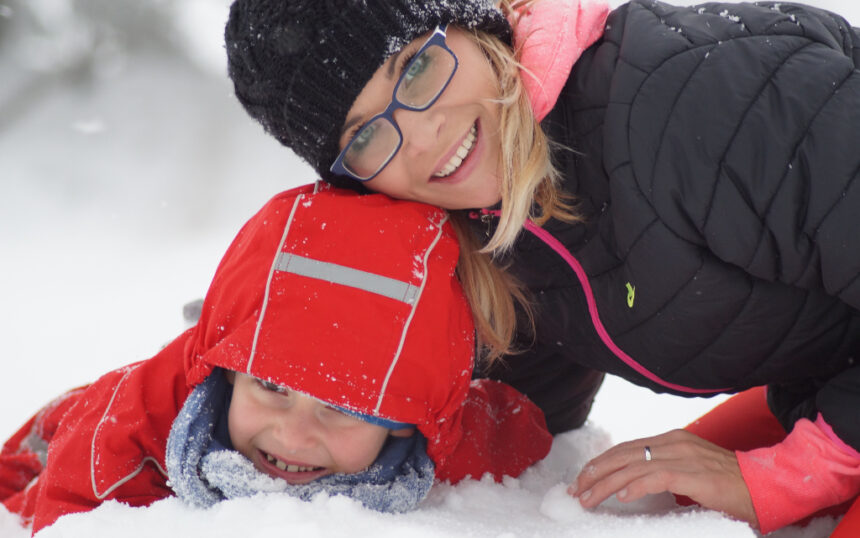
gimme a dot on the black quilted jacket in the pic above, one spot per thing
(715, 151)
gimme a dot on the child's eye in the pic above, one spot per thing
(271, 387)
(337, 410)
(342, 413)
(340, 417)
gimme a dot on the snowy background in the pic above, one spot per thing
(126, 167)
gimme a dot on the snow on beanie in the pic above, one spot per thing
(298, 65)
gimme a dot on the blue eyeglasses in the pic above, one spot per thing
(422, 82)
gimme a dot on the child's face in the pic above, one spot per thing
(295, 437)
(433, 136)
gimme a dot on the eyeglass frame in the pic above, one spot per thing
(438, 38)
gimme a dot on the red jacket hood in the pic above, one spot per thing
(352, 299)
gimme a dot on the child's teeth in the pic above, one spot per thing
(289, 468)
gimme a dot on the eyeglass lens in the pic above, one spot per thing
(419, 86)
(425, 77)
(371, 148)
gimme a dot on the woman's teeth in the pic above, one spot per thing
(289, 468)
(461, 153)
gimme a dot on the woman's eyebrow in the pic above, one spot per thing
(350, 123)
(392, 63)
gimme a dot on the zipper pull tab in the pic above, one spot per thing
(487, 219)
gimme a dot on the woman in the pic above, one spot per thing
(711, 242)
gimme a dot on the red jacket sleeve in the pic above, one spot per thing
(23, 456)
(107, 446)
(109, 443)
(503, 433)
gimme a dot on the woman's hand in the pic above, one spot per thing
(681, 463)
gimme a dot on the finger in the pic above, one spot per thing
(674, 445)
(616, 482)
(643, 478)
(700, 470)
(611, 461)
(656, 480)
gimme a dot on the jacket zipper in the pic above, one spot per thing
(574, 264)
(486, 217)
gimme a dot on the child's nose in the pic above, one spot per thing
(297, 429)
(420, 129)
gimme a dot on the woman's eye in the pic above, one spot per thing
(416, 68)
(405, 59)
(363, 139)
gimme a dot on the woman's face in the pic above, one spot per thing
(464, 119)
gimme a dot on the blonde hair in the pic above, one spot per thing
(529, 189)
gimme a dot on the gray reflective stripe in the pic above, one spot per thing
(348, 276)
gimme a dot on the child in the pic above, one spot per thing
(334, 353)
(711, 152)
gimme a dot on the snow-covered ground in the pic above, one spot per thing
(126, 167)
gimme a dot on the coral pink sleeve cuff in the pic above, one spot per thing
(810, 470)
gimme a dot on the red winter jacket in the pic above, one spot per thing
(108, 440)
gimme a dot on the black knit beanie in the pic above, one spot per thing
(298, 65)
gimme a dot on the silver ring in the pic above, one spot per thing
(647, 453)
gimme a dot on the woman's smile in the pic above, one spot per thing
(458, 154)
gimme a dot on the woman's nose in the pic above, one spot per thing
(420, 129)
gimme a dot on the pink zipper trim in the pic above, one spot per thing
(554, 244)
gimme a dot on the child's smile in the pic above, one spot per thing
(290, 435)
(291, 471)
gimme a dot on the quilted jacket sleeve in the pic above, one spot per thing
(745, 137)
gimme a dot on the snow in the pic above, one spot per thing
(533, 505)
(127, 167)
